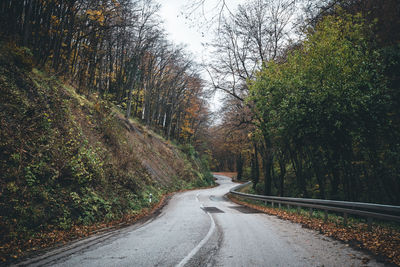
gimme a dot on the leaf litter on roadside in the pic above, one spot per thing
(20, 248)
(381, 241)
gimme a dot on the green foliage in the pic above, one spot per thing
(189, 150)
(22, 57)
(193, 160)
(329, 108)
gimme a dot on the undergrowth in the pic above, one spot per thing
(67, 160)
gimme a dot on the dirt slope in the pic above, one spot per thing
(68, 161)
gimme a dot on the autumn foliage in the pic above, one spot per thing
(70, 164)
(115, 49)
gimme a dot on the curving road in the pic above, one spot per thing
(202, 228)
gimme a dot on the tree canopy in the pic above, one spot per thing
(328, 106)
(321, 114)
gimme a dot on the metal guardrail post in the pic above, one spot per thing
(273, 203)
(369, 220)
(310, 212)
(279, 205)
(345, 219)
(298, 209)
(325, 216)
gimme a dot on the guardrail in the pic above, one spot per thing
(368, 210)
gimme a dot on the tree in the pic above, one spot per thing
(247, 39)
(115, 49)
(321, 106)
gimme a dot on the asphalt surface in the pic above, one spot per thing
(202, 228)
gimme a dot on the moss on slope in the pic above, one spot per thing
(68, 160)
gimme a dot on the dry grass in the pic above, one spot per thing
(162, 160)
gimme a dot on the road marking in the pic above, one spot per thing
(197, 197)
(200, 245)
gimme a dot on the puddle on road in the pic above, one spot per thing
(245, 210)
(215, 198)
(212, 210)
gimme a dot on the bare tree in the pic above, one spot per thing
(146, 33)
(245, 42)
(247, 39)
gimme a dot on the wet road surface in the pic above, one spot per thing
(202, 228)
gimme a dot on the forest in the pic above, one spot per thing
(100, 111)
(311, 87)
(117, 50)
(312, 106)
(100, 115)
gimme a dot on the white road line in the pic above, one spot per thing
(200, 245)
(197, 198)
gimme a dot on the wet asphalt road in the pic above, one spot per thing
(202, 228)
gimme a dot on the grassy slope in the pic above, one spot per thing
(67, 161)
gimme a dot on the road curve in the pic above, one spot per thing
(202, 228)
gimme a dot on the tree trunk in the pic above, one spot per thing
(239, 166)
(27, 24)
(298, 169)
(131, 85)
(282, 167)
(255, 169)
(267, 166)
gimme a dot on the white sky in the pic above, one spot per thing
(182, 30)
(178, 28)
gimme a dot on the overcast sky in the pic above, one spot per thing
(179, 29)
(182, 30)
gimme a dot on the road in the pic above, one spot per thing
(202, 228)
